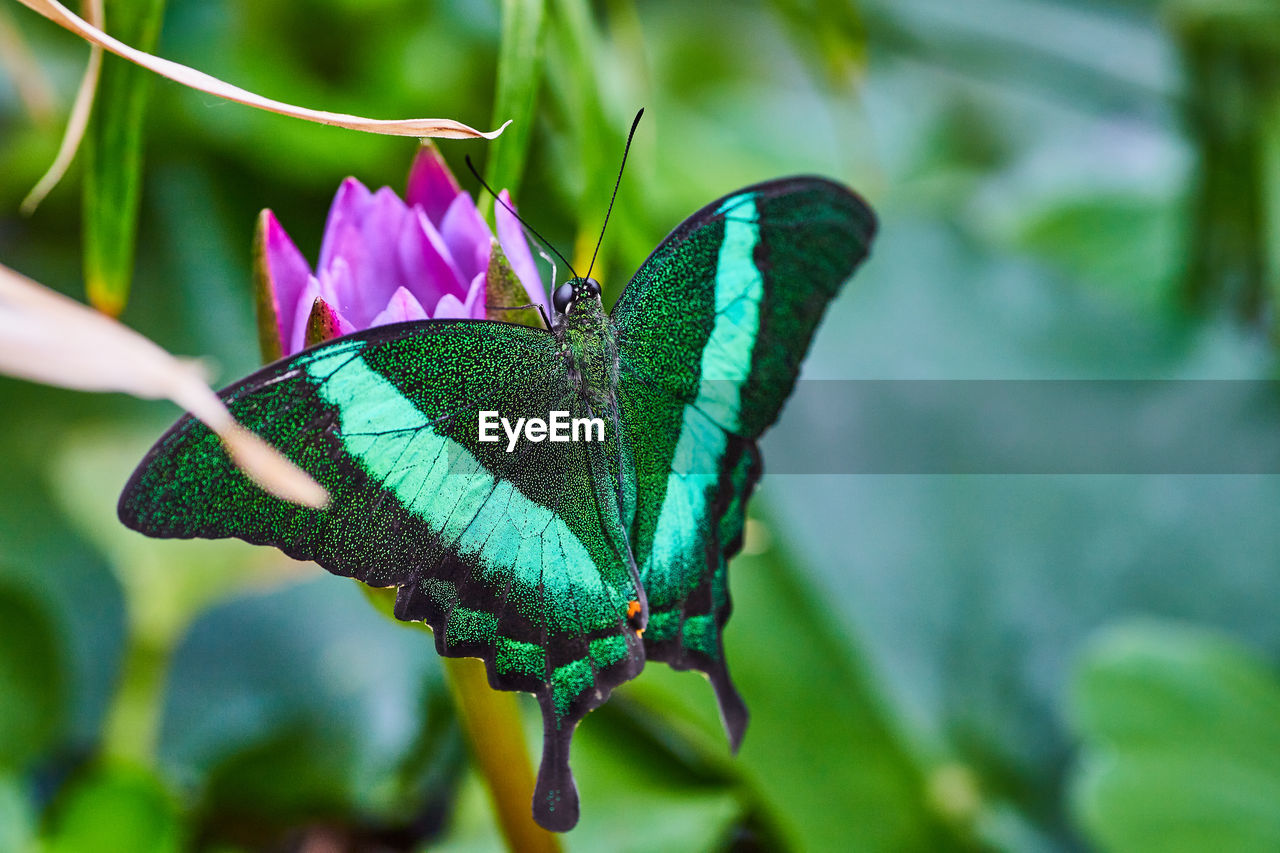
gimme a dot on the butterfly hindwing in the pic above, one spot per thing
(507, 555)
(711, 333)
(692, 494)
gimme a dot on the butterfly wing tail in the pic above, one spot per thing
(733, 711)
(555, 797)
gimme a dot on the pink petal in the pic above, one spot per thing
(338, 282)
(362, 233)
(428, 267)
(401, 308)
(451, 307)
(516, 248)
(345, 213)
(287, 272)
(376, 270)
(333, 283)
(467, 236)
(431, 185)
(475, 305)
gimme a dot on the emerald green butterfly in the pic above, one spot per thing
(564, 565)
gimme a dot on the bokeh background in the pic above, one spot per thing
(1068, 189)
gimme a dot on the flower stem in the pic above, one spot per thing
(132, 726)
(491, 720)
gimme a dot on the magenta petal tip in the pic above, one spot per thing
(402, 308)
(281, 275)
(431, 185)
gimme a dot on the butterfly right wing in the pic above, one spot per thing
(504, 554)
(711, 333)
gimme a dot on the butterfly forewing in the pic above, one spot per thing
(504, 553)
(711, 333)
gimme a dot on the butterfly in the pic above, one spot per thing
(563, 565)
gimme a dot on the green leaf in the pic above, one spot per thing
(969, 594)
(304, 703)
(1181, 731)
(44, 559)
(113, 157)
(31, 679)
(1109, 239)
(821, 757)
(519, 78)
(116, 808)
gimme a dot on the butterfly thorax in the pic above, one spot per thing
(591, 347)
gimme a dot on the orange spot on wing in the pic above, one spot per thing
(633, 607)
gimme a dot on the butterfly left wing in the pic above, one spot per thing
(711, 332)
(506, 555)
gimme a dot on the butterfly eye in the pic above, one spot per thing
(563, 297)
(591, 287)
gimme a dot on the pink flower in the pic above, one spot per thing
(384, 260)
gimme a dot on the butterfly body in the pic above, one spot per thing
(591, 346)
(563, 565)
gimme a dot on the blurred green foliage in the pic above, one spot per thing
(1068, 189)
(115, 808)
(1182, 742)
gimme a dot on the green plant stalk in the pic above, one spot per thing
(519, 78)
(113, 157)
(132, 726)
(1233, 108)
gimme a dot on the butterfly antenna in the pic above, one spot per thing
(616, 184)
(530, 228)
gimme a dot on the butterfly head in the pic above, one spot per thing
(575, 294)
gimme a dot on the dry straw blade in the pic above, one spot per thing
(79, 120)
(49, 338)
(421, 127)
